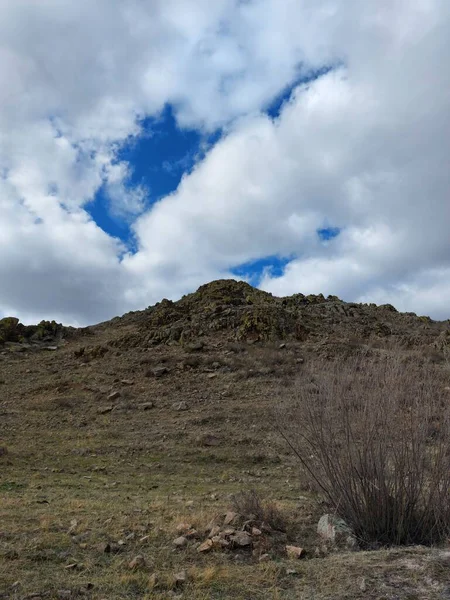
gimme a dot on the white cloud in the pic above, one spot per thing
(364, 147)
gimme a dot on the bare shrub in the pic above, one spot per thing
(250, 505)
(374, 437)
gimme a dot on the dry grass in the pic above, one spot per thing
(132, 476)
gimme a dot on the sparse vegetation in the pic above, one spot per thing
(102, 468)
(374, 437)
(250, 505)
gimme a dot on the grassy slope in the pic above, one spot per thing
(74, 479)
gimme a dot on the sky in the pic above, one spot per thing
(150, 146)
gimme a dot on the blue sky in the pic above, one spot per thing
(163, 153)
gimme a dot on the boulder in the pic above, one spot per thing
(335, 532)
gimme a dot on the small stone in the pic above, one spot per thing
(103, 410)
(180, 542)
(195, 346)
(137, 563)
(212, 375)
(282, 346)
(51, 348)
(127, 382)
(181, 528)
(363, 585)
(241, 538)
(230, 517)
(256, 532)
(146, 406)
(294, 552)
(214, 531)
(206, 546)
(264, 558)
(63, 594)
(180, 406)
(71, 567)
(218, 540)
(291, 572)
(180, 578)
(113, 395)
(157, 372)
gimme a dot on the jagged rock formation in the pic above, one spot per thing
(238, 311)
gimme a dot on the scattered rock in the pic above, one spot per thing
(294, 552)
(113, 396)
(72, 566)
(103, 410)
(336, 532)
(206, 546)
(256, 532)
(195, 346)
(137, 563)
(214, 531)
(51, 348)
(229, 518)
(146, 406)
(180, 542)
(291, 572)
(264, 558)
(212, 375)
(157, 372)
(241, 538)
(127, 382)
(180, 578)
(282, 346)
(180, 405)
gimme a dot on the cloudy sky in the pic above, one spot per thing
(150, 146)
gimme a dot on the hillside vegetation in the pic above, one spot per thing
(162, 454)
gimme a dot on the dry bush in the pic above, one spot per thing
(374, 437)
(250, 505)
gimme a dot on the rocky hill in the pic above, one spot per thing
(234, 310)
(121, 444)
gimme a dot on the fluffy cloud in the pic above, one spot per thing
(364, 147)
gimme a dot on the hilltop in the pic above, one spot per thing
(115, 437)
